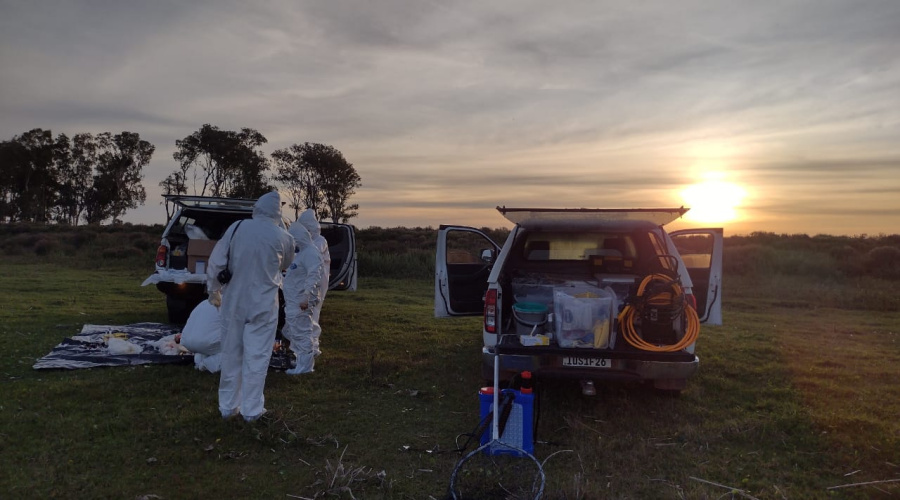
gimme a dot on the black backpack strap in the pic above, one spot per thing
(230, 239)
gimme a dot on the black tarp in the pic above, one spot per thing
(89, 349)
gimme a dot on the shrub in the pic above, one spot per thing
(120, 253)
(414, 264)
(749, 259)
(806, 263)
(883, 262)
(45, 245)
(848, 259)
(83, 236)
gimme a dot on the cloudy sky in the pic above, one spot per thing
(763, 116)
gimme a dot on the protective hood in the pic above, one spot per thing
(309, 221)
(301, 236)
(268, 206)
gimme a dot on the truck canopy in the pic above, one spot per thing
(575, 217)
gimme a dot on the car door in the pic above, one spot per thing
(341, 240)
(701, 251)
(463, 262)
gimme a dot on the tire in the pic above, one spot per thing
(670, 388)
(178, 309)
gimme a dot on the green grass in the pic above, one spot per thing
(796, 393)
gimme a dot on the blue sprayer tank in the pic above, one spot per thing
(518, 430)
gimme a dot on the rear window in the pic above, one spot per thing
(212, 224)
(594, 252)
(584, 246)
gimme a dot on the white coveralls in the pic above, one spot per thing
(308, 219)
(260, 250)
(301, 284)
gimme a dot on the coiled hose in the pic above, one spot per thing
(669, 294)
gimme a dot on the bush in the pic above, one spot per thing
(883, 262)
(84, 236)
(749, 259)
(120, 253)
(45, 245)
(414, 264)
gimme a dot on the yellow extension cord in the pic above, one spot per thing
(626, 317)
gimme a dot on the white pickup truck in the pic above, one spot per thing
(196, 226)
(586, 294)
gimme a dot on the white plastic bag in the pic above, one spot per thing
(195, 233)
(169, 346)
(203, 331)
(117, 346)
(210, 364)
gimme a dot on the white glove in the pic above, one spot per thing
(215, 298)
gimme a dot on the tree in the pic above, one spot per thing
(11, 157)
(298, 177)
(339, 183)
(117, 179)
(76, 179)
(230, 162)
(30, 164)
(173, 184)
(318, 176)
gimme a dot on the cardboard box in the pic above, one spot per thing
(198, 251)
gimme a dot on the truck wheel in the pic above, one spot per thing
(669, 387)
(178, 310)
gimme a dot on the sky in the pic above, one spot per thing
(780, 116)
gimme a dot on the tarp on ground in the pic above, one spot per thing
(91, 347)
(148, 342)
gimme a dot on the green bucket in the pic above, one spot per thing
(530, 317)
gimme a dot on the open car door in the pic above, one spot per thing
(701, 251)
(463, 263)
(342, 248)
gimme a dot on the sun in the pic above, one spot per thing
(713, 201)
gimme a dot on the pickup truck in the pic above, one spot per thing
(194, 229)
(585, 294)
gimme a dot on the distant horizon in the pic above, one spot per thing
(501, 223)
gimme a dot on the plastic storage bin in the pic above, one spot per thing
(578, 318)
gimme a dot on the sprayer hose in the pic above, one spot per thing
(626, 317)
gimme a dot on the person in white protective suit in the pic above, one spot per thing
(301, 296)
(255, 251)
(308, 219)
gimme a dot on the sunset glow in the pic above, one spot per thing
(713, 201)
(450, 109)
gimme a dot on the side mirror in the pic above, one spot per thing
(487, 255)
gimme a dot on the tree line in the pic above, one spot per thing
(90, 178)
(96, 178)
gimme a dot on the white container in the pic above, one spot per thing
(577, 317)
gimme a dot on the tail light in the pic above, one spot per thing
(691, 300)
(161, 255)
(490, 311)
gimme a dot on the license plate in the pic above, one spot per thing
(586, 362)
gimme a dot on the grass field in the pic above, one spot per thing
(797, 395)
